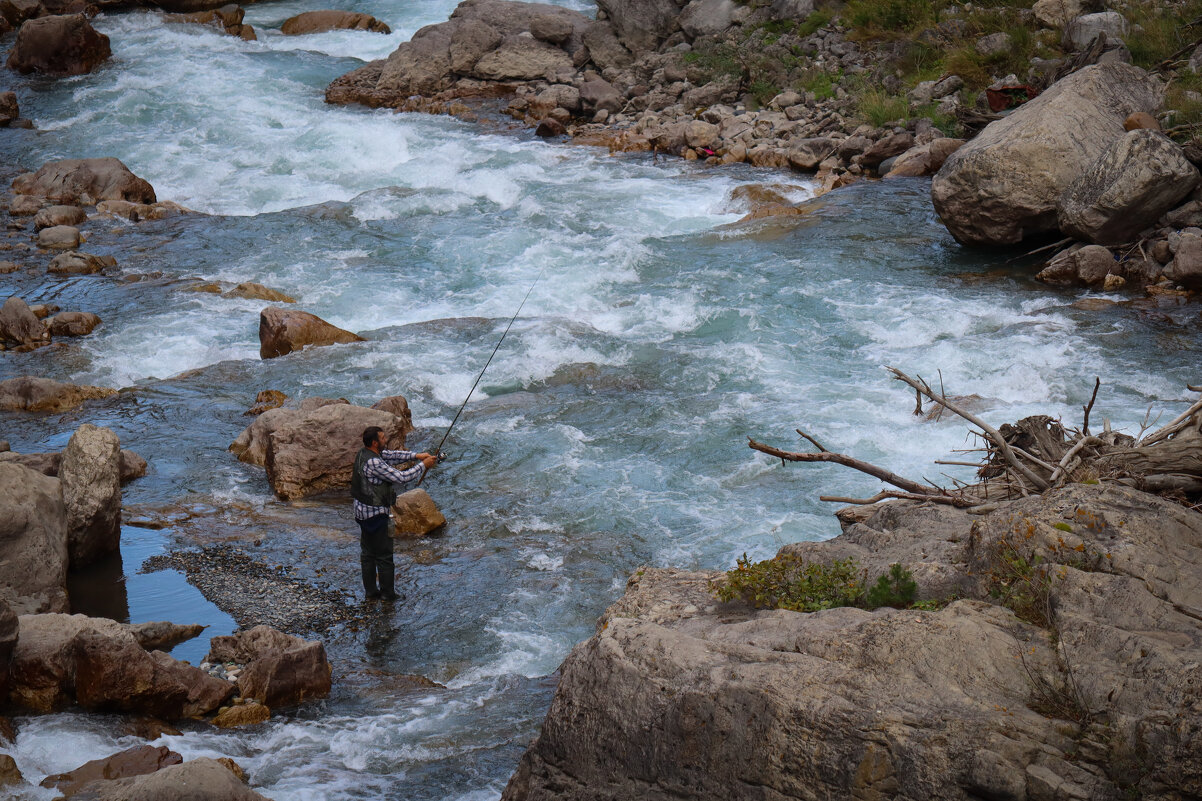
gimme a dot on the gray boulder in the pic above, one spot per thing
(707, 17)
(19, 325)
(1138, 178)
(33, 541)
(522, 58)
(1186, 266)
(604, 48)
(1081, 32)
(1005, 183)
(1088, 265)
(641, 25)
(90, 473)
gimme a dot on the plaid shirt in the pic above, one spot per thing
(379, 470)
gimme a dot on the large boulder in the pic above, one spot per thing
(1139, 177)
(1186, 266)
(19, 325)
(75, 262)
(1082, 31)
(416, 514)
(707, 17)
(679, 696)
(641, 25)
(9, 628)
(1075, 266)
(522, 58)
(84, 182)
(328, 20)
(59, 46)
(99, 664)
(90, 473)
(279, 670)
(33, 541)
(72, 324)
(282, 331)
(202, 779)
(1004, 184)
(136, 761)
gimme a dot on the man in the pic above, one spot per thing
(372, 488)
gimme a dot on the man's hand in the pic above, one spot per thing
(429, 461)
(423, 456)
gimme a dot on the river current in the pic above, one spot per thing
(609, 432)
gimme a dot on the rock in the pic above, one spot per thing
(59, 46)
(76, 263)
(641, 25)
(282, 331)
(807, 154)
(1139, 177)
(7, 267)
(22, 206)
(281, 670)
(1081, 32)
(551, 28)
(161, 635)
(888, 147)
(699, 134)
(604, 48)
(247, 714)
(522, 58)
(228, 18)
(72, 181)
(19, 325)
(1087, 265)
(132, 465)
(798, 10)
(319, 21)
(30, 394)
(33, 539)
(137, 212)
(416, 514)
(9, 628)
(52, 216)
(136, 761)
(259, 292)
(91, 481)
(560, 95)
(266, 399)
(59, 237)
(312, 452)
(1057, 13)
(549, 128)
(1141, 119)
(706, 17)
(1004, 184)
(677, 695)
(397, 405)
(10, 774)
(9, 110)
(1186, 266)
(914, 162)
(993, 44)
(598, 94)
(201, 779)
(72, 324)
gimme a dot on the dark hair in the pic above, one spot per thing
(369, 435)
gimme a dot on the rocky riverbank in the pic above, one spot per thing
(1060, 661)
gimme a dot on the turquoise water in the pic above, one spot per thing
(609, 432)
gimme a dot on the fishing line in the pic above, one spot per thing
(447, 433)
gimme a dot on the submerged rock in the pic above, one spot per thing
(19, 325)
(680, 696)
(32, 394)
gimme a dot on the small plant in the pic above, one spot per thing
(1062, 527)
(1019, 579)
(813, 22)
(763, 91)
(878, 108)
(896, 589)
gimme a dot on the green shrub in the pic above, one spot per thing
(889, 18)
(877, 107)
(896, 589)
(813, 22)
(790, 582)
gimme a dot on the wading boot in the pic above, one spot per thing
(368, 568)
(387, 592)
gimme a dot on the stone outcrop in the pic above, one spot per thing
(99, 664)
(310, 450)
(1138, 178)
(90, 473)
(59, 46)
(282, 331)
(680, 696)
(330, 20)
(1004, 185)
(84, 182)
(33, 541)
(280, 670)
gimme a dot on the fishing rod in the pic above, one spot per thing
(447, 433)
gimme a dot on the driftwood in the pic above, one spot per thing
(1036, 454)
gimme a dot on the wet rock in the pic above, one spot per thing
(19, 325)
(59, 46)
(91, 482)
(1004, 184)
(227, 18)
(10, 774)
(136, 761)
(52, 216)
(148, 727)
(9, 110)
(201, 779)
(31, 394)
(1186, 266)
(238, 715)
(1139, 177)
(397, 405)
(886, 148)
(59, 237)
(416, 514)
(84, 182)
(137, 212)
(33, 538)
(266, 399)
(7, 267)
(1088, 265)
(23, 206)
(281, 670)
(76, 263)
(72, 324)
(255, 291)
(132, 465)
(319, 21)
(282, 331)
(549, 128)
(161, 635)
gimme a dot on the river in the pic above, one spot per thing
(609, 432)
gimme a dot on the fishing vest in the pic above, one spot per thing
(364, 491)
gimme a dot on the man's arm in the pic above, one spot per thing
(380, 472)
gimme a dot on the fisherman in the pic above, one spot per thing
(372, 488)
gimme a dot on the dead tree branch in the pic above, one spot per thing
(881, 473)
(883, 495)
(1089, 407)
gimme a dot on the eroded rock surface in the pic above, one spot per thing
(679, 696)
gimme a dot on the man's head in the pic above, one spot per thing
(373, 437)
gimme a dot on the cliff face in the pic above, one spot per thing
(679, 696)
